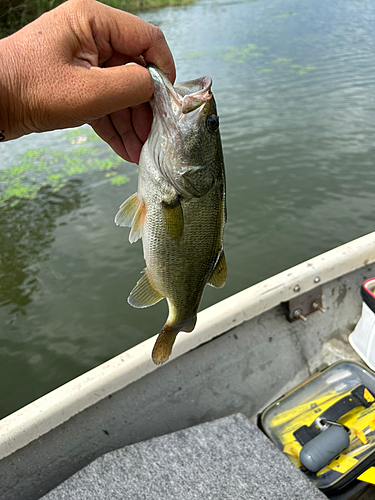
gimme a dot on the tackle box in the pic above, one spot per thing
(326, 426)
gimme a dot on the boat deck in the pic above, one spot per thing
(222, 460)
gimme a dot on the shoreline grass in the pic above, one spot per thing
(14, 14)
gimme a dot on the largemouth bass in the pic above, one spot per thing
(179, 209)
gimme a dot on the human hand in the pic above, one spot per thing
(82, 62)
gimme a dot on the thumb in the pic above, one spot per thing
(106, 90)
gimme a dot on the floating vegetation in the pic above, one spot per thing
(38, 168)
(195, 53)
(119, 180)
(241, 54)
(234, 54)
(295, 68)
(281, 60)
(266, 70)
(284, 16)
(302, 70)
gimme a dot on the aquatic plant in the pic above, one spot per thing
(280, 60)
(296, 68)
(234, 54)
(241, 54)
(42, 167)
(302, 70)
(195, 53)
(284, 16)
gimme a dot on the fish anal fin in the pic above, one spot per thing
(173, 219)
(127, 211)
(144, 294)
(138, 223)
(189, 325)
(219, 274)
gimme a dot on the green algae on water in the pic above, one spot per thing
(45, 167)
(284, 16)
(241, 54)
(295, 68)
(232, 54)
(119, 180)
(302, 70)
(282, 60)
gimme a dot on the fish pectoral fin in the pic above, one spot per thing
(173, 219)
(144, 294)
(197, 181)
(219, 274)
(131, 214)
(127, 211)
(138, 223)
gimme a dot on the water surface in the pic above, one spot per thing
(295, 84)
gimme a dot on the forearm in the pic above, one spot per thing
(8, 90)
(20, 89)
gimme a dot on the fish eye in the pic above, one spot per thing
(213, 123)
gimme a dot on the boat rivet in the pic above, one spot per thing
(297, 288)
(317, 306)
(317, 279)
(298, 314)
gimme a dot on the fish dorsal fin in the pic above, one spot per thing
(144, 294)
(173, 219)
(127, 211)
(138, 223)
(219, 274)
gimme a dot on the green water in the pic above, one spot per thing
(295, 85)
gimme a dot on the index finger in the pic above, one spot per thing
(132, 36)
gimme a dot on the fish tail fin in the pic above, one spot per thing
(166, 338)
(164, 343)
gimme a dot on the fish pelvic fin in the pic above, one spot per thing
(219, 274)
(144, 294)
(131, 214)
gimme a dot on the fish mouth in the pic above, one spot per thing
(177, 110)
(181, 98)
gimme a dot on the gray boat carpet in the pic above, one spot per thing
(227, 459)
